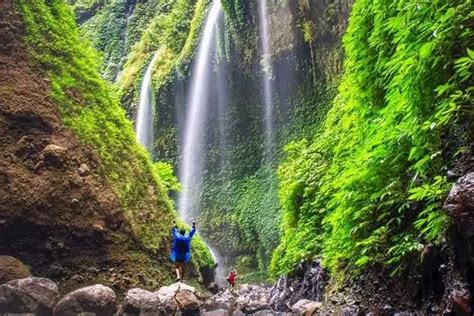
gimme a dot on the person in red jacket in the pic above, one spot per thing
(231, 278)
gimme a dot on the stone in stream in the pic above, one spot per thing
(30, 295)
(460, 203)
(141, 302)
(12, 269)
(97, 299)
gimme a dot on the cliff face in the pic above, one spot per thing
(75, 188)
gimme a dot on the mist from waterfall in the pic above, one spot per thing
(144, 119)
(267, 68)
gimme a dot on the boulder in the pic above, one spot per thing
(141, 302)
(167, 296)
(187, 301)
(12, 269)
(54, 155)
(460, 203)
(29, 295)
(306, 307)
(97, 299)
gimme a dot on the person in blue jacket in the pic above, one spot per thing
(181, 249)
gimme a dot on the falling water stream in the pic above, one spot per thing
(267, 67)
(144, 120)
(197, 111)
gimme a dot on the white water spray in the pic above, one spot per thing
(144, 121)
(267, 67)
(197, 111)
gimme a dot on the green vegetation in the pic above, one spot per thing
(90, 108)
(173, 36)
(367, 189)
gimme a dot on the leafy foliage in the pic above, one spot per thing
(373, 177)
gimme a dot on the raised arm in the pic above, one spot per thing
(193, 230)
(174, 231)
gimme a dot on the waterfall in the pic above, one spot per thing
(267, 67)
(194, 153)
(144, 120)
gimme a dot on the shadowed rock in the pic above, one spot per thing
(460, 203)
(30, 295)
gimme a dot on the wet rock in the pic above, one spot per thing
(141, 302)
(187, 301)
(97, 299)
(84, 170)
(29, 295)
(12, 269)
(460, 203)
(213, 288)
(307, 282)
(306, 307)
(54, 155)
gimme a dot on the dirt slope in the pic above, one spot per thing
(57, 213)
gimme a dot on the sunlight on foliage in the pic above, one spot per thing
(373, 178)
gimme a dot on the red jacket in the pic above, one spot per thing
(231, 277)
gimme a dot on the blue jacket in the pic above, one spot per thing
(181, 249)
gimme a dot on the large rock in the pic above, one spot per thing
(141, 302)
(306, 307)
(187, 301)
(97, 299)
(12, 269)
(460, 203)
(167, 296)
(30, 295)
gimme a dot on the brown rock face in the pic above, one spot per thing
(12, 269)
(460, 203)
